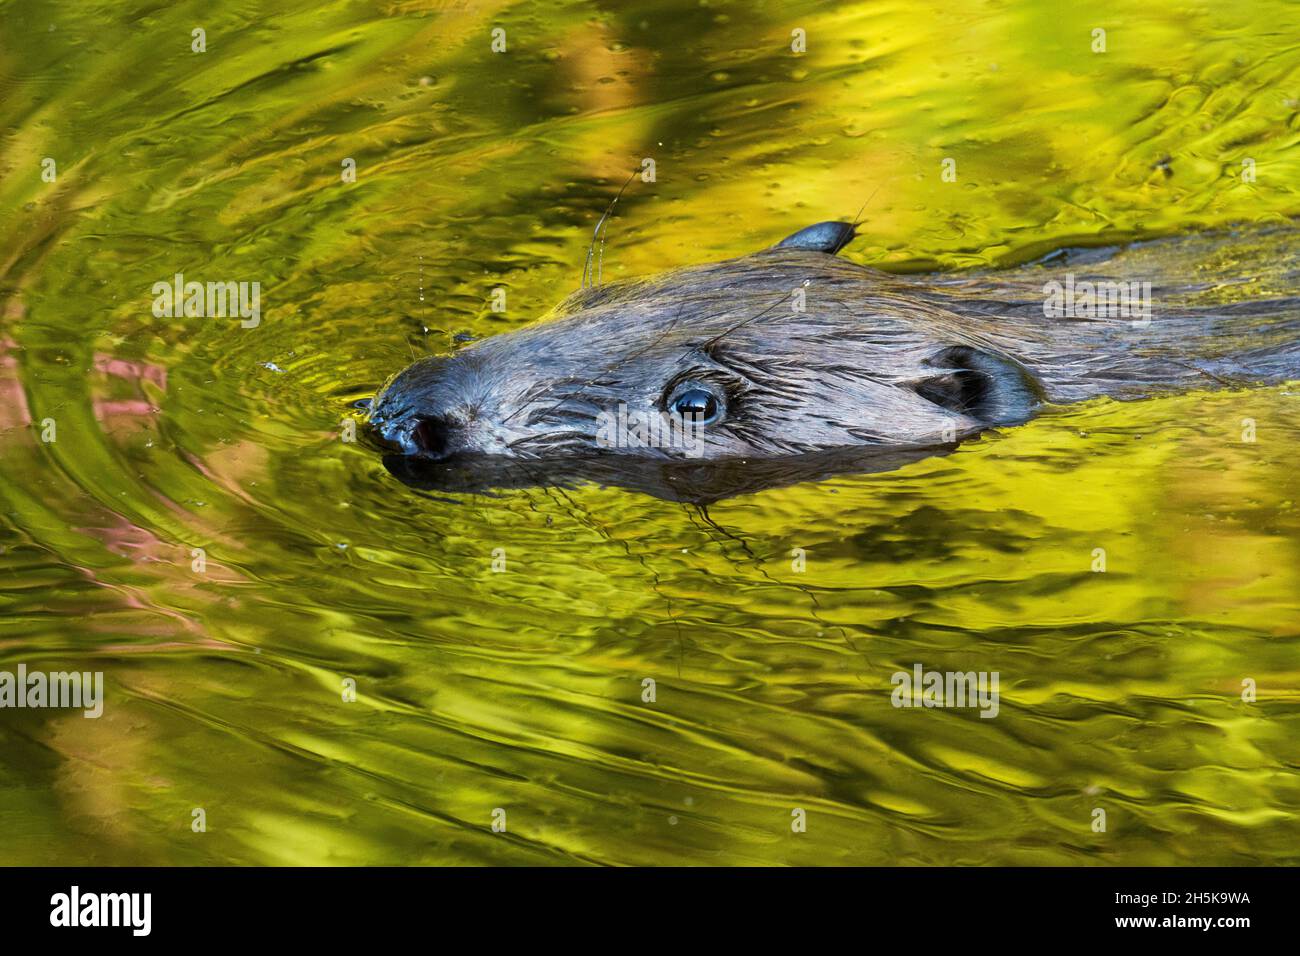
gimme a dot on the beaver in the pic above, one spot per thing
(794, 362)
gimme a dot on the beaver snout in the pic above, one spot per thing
(423, 436)
(437, 408)
(432, 436)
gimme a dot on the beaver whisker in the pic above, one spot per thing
(550, 443)
(742, 324)
(557, 413)
(610, 208)
(867, 437)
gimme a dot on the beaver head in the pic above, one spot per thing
(784, 352)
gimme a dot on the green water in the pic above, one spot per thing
(522, 690)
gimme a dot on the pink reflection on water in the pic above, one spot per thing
(14, 412)
(163, 627)
(114, 413)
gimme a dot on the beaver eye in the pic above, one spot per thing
(702, 405)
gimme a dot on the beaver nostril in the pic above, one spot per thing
(431, 436)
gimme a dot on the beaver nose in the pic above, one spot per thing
(432, 436)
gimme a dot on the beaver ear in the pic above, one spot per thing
(984, 385)
(828, 237)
